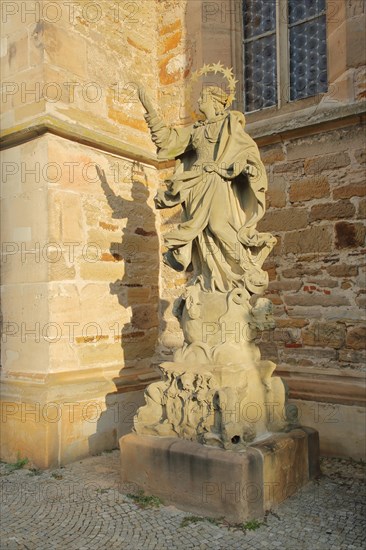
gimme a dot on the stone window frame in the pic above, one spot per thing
(288, 112)
(282, 36)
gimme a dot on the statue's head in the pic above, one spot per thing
(219, 96)
(212, 101)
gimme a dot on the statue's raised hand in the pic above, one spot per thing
(145, 100)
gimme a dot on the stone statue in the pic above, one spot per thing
(220, 182)
(219, 417)
(222, 196)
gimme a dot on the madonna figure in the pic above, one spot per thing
(222, 196)
(220, 183)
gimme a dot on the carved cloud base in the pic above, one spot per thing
(226, 406)
(237, 486)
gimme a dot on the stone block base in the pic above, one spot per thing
(213, 482)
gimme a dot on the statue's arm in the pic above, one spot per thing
(171, 142)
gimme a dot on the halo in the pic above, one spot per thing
(213, 68)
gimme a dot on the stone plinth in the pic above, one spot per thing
(238, 485)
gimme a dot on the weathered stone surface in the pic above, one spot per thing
(323, 283)
(292, 323)
(349, 235)
(356, 337)
(190, 475)
(58, 268)
(348, 191)
(326, 162)
(331, 211)
(269, 350)
(16, 55)
(195, 477)
(316, 299)
(324, 335)
(94, 353)
(138, 43)
(362, 209)
(308, 356)
(308, 189)
(360, 156)
(276, 196)
(342, 270)
(346, 285)
(299, 271)
(145, 316)
(316, 239)
(326, 143)
(213, 404)
(139, 344)
(285, 285)
(361, 300)
(286, 219)
(357, 357)
(61, 48)
(356, 37)
(272, 154)
(340, 427)
(277, 452)
(289, 167)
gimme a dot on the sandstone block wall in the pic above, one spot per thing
(80, 258)
(316, 203)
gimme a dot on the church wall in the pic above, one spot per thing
(80, 274)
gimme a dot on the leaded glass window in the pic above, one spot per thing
(285, 55)
(308, 50)
(260, 59)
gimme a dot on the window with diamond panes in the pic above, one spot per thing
(285, 55)
(308, 48)
(260, 54)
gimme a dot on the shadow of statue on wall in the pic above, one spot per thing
(137, 290)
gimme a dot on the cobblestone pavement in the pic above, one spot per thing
(79, 507)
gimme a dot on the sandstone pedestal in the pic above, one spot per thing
(209, 481)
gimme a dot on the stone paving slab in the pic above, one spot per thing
(81, 507)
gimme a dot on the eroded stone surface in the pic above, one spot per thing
(225, 406)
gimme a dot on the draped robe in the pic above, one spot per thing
(221, 203)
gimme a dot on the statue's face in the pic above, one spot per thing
(206, 104)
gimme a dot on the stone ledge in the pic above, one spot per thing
(110, 378)
(282, 127)
(26, 131)
(343, 387)
(217, 483)
(305, 122)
